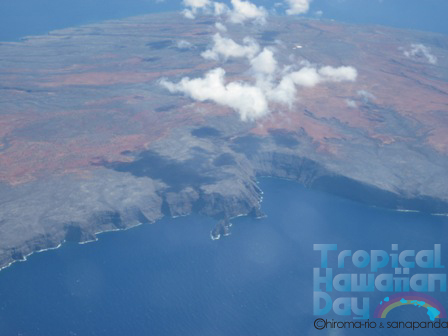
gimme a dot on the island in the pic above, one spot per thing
(102, 129)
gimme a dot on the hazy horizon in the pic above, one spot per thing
(23, 17)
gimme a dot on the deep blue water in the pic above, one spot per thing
(170, 278)
(427, 15)
(20, 18)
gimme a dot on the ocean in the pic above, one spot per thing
(27, 17)
(170, 278)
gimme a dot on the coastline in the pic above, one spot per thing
(222, 227)
(199, 158)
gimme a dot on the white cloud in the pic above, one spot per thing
(284, 92)
(252, 101)
(225, 47)
(220, 27)
(421, 51)
(244, 10)
(220, 9)
(350, 103)
(343, 73)
(298, 6)
(241, 11)
(308, 76)
(195, 7)
(366, 96)
(264, 63)
(246, 99)
(269, 84)
(182, 44)
(196, 3)
(188, 13)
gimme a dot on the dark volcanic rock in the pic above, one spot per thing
(176, 174)
(91, 142)
(205, 132)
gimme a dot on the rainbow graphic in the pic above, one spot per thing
(435, 309)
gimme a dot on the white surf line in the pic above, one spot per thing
(25, 257)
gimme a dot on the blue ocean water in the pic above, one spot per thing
(28, 17)
(428, 15)
(170, 278)
(21, 18)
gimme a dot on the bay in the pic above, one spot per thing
(170, 278)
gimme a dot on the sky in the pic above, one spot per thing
(20, 18)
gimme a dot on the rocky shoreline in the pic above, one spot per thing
(92, 142)
(244, 200)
